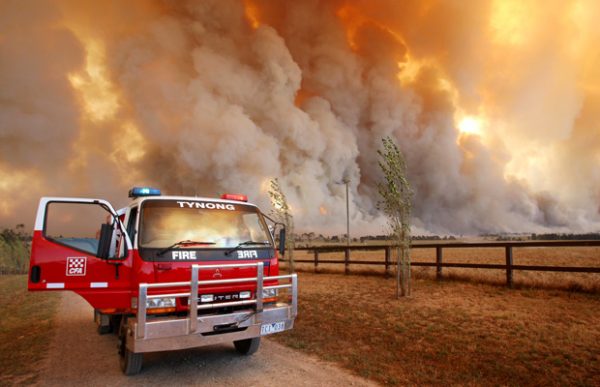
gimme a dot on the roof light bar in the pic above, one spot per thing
(136, 192)
(236, 197)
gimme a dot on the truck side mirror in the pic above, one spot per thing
(106, 233)
(282, 242)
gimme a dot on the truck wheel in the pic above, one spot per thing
(131, 363)
(247, 346)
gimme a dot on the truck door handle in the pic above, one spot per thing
(164, 266)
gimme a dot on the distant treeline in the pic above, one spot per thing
(545, 237)
(565, 237)
(14, 250)
(312, 237)
(433, 238)
(413, 237)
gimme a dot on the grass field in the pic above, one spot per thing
(449, 332)
(469, 332)
(25, 329)
(571, 256)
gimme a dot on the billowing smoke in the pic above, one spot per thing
(496, 105)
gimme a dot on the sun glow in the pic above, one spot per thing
(470, 125)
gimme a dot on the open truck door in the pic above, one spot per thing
(80, 245)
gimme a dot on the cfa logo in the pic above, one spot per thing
(76, 266)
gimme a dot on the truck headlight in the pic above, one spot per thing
(165, 302)
(269, 293)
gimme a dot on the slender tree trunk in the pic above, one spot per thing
(290, 244)
(404, 271)
(408, 272)
(291, 257)
(398, 272)
(403, 265)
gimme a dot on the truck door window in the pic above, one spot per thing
(131, 223)
(76, 225)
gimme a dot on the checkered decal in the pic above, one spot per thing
(76, 266)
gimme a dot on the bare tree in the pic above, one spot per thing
(282, 213)
(396, 196)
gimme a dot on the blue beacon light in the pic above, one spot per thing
(143, 191)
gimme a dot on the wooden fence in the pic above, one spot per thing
(509, 266)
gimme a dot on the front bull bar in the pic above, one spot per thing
(170, 333)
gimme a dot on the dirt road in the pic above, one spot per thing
(80, 357)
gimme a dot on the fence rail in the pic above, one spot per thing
(509, 266)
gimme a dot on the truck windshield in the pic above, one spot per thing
(221, 225)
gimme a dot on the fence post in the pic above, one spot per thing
(388, 252)
(509, 264)
(347, 260)
(316, 253)
(438, 262)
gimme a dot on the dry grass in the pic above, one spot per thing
(25, 329)
(562, 256)
(449, 332)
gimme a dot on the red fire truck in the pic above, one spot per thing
(167, 272)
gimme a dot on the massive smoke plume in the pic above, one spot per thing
(496, 105)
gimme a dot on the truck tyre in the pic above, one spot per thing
(131, 363)
(247, 346)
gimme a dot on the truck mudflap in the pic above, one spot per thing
(145, 334)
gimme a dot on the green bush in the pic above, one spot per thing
(14, 250)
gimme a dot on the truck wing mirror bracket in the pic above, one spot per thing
(106, 232)
(282, 242)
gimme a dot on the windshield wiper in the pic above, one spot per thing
(183, 243)
(246, 244)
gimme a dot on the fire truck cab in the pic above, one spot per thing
(167, 272)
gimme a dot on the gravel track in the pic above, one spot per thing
(80, 357)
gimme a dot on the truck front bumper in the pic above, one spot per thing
(153, 334)
(172, 334)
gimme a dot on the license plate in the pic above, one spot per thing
(267, 329)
